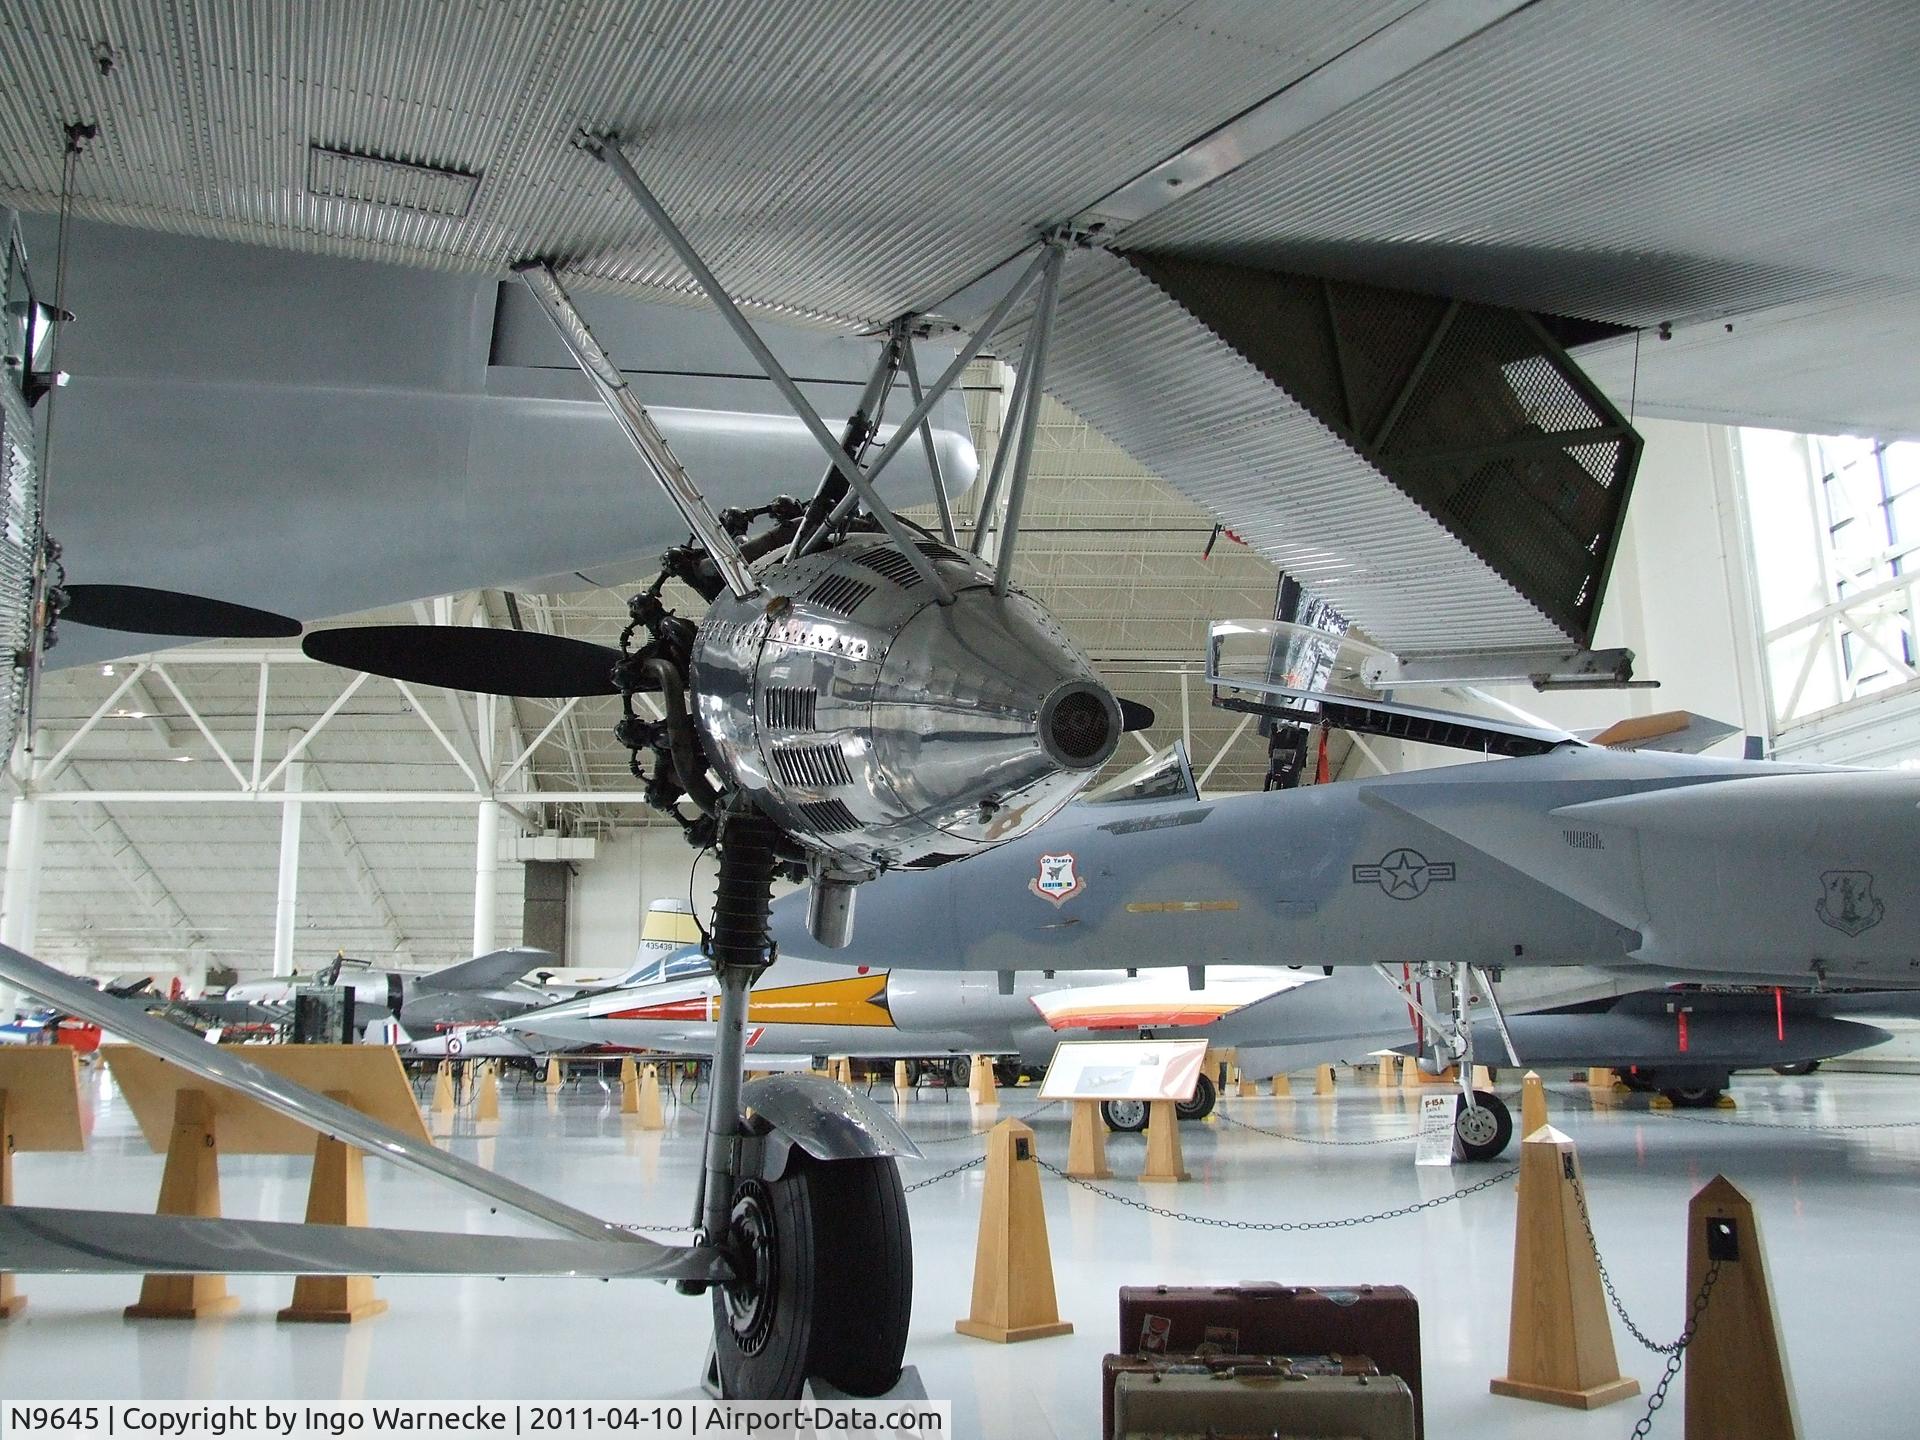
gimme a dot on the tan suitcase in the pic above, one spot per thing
(1227, 1404)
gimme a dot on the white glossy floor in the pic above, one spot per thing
(1837, 1210)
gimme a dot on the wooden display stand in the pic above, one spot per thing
(629, 1086)
(1559, 1338)
(486, 1101)
(1087, 1143)
(1248, 1088)
(193, 1121)
(1013, 1296)
(1163, 1143)
(980, 1085)
(1385, 1075)
(39, 1111)
(1533, 1104)
(1323, 1080)
(1482, 1078)
(1282, 1088)
(1737, 1382)
(1602, 1085)
(652, 1115)
(1410, 1072)
(442, 1105)
(337, 1195)
(901, 1082)
(554, 1077)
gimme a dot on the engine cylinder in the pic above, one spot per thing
(883, 729)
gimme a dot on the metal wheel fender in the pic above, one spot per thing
(821, 1118)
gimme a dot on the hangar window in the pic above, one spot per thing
(1835, 523)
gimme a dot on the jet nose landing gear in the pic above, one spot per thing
(1482, 1128)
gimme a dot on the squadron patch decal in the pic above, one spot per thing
(1404, 874)
(1847, 901)
(1059, 879)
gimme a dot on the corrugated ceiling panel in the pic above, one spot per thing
(1635, 161)
(1144, 372)
(840, 157)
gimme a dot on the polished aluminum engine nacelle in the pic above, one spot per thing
(882, 729)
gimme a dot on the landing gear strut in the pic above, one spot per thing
(1482, 1124)
(822, 1259)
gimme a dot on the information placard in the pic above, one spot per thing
(1436, 1128)
(1124, 1070)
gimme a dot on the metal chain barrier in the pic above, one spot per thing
(1312, 1140)
(1344, 1223)
(1676, 1350)
(959, 1169)
(660, 1229)
(976, 1134)
(1785, 1124)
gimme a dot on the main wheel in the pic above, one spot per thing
(825, 1287)
(1127, 1116)
(1693, 1097)
(1483, 1128)
(1205, 1094)
(960, 1071)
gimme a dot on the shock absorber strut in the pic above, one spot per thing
(741, 950)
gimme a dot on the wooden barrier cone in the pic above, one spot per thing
(553, 1073)
(190, 1185)
(1282, 1088)
(337, 1195)
(1163, 1143)
(652, 1115)
(1323, 1080)
(1013, 1295)
(1248, 1088)
(1410, 1072)
(1737, 1382)
(980, 1082)
(1385, 1075)
(443, 1090)
(1602, 1085)
(12, 1302)
(1087, 1143)
(629, 1087)
(1533, 1104)
(486, 1104)
(901, 1081)
(1559, 1337)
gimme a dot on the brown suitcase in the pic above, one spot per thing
(1206, 1362)
(1224, 1406)
(1379, 1321)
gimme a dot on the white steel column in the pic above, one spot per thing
(486, 877)
(20, 898)
(286, 902)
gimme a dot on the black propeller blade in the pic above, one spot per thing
(1134, 716)
(465, 657)
(169, 612)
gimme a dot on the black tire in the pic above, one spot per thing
(1006, 1072)
(1129, 1117)
(1798, 1067)
(827, 1289)
(1205, 1095)
(960, 1071)
(1483, 1131)
(1693, 1097)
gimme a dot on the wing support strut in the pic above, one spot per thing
(606, 148)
